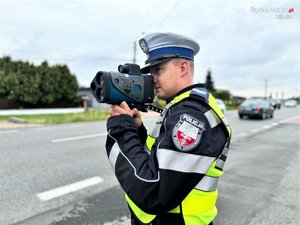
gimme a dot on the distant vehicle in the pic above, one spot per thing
(290, 103)
(221, 105)
(276, 103)
(257, 107)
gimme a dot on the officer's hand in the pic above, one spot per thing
(137, 117)
(123, 108)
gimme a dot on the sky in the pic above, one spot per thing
(251, 47)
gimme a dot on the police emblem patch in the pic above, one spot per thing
(187, 133)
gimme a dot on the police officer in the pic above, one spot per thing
(170, 176)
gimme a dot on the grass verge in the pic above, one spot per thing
(89, 115)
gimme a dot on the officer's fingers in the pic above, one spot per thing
(112, 111)
(125, 106)
(115, 110)
(136, 113)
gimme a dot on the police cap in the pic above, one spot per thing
(160, 47)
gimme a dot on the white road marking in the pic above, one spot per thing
(240, 135)
(288, 119)
(254, 130)
(79, 137)
(8, 131)
(266, 127)
(76, 125)
(57, 192)
(274, 124)
(41, 128)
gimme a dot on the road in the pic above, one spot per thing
(59, 174)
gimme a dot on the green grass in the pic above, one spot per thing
(231, 107)
(89, 115)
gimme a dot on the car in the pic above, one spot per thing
(221, 104)
(272, 102)
(276, 103)
(290, 103)
(256, 107)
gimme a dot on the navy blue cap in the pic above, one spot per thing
(161, 47)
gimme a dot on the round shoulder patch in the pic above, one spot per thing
(187, 132)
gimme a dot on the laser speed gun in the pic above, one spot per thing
(128, 85)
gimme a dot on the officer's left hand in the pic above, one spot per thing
(123, 108)
(137, 117)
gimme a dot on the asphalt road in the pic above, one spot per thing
(59, 174)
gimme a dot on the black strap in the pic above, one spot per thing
(154, 108)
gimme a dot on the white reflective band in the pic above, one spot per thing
(113, 155)
(212, 119)
(208, 184)
(220, 163)
(155, 131)
(183, 162)
(225, 151)
(225, 121)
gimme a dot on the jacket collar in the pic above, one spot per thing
(184, 90)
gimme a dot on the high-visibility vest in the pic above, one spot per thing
(198, 208)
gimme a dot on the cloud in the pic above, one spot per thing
(243, 48)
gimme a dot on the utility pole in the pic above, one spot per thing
(266, 88)
(134, 52)
(134, 49)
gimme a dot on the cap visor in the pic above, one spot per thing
(146, 69)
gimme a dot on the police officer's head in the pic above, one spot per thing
(170, 60)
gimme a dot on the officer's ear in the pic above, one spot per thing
(183, 66)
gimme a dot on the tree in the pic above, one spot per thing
(222, 94)
(209, 83)
(32, 86)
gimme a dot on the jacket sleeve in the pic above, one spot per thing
(180, 157)
(142, 132)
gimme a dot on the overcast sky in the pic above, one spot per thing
(243, 43)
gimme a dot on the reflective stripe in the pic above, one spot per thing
(198, 202)
(213, 104)
(141, 215)
(175, 210)
(220, 164)
(212, 119)
(183, 162)
(181, 97)
(225, 121)
(208, 184)
(149, 142)
(155, 131)
(213, 171)
(225, 151)
(113, 155)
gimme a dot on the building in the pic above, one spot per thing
(91, 101)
